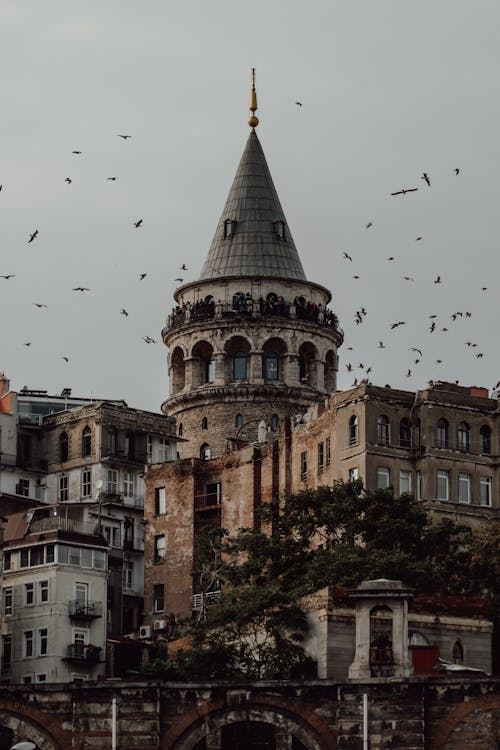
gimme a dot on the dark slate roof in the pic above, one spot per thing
(254, 249)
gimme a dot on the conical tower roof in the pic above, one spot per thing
(252, 237)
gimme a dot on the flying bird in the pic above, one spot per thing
(349, 367)
(76, 152)
(347, 256)
(148, 340)
(418, 239)
(408, 373)
(381, 345)
(39, 304)
(415, 349)
(438, 361)
(425, 177)
(120, 135)
(142, 276)
(399, 323)
(479, 355)
(68, 180)
(66, 359)
(299, 104)
(179, 280)
(27, 343)
(183, 267)
(355, 277)
(437, 280)
(33, 236)
(138, 223)
(111, 178)
(370, 224)
(9, 276)
(403, 191)
(80, 289)
(457, 170)
(432, 327)
(484, 288)
(407, 278)
(391, 257)
(123, 311)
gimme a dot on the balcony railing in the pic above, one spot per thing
(60, 523)
(84, 610)
(211, 597)
(135, 501)
(83, 653)
(8, 459)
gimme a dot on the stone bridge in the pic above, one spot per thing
(437, 714)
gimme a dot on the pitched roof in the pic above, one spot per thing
(254, 247)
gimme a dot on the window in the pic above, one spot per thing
(129, 484)
(464, 488)
(485, 488)
(180, 430)
(229, 228)
(443, 440)
(205, 452)
(111, 441)
(213, 493)
(28, 643)
(353, 474)
(353, 430)
(383, 477)
(43, 638)
(238, 422)
(160, 500)
(81, 595)
(160, 547)
(86, 482)
(382, 430)
(128, 529)
(279, 229)
(204, 423)
(27, 679)
(321, 458)
(29, 594)
(43, 591)
(149, 449)
(41, 677)
(418, 483)
(270, 366)
(7, 560)
(443, 480)
(128, 574)
(405, 433)
(6, 652)
(23, 487)
(86, 442)
(158, 597)
(274, 422)
(303, 466)
(49, 553)
(115, 538)
(129, 447)
(112, 481)
(8, 600)
(63, 488)
(404, 481)
(63, 447)
(164, 446)
(485, 439)
(457, 652)
(240, 366)
(328, 451)
(463, 437)
(210, 371)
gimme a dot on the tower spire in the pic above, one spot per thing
(253, 121)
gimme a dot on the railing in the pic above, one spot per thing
(212, 597)
(254, 308)
(136, 501)
(8, 459)
(84, 653)
(84, 610)
(60, 523)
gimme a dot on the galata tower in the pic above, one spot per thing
(252, 340)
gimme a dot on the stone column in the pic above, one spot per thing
(220, 374)
(255, 367)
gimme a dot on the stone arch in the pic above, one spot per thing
(308, 355)
(27, 723)
(237, 360)
(330, 371)
(209, 717)
(177, 370)
(203, 363)
(273, 357)
(456, 721)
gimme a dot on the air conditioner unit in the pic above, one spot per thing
(145, 631)
(159, 624)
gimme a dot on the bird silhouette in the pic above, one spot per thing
(418, 239)
(381, 345)
(403, 191)
(484, 288)
(370, 224)
(349, 367)
(457, 170)
(347, 256)
(391, 257)
(425, 177)
(438, 361)
(120, 135)
(408, 373)
(66, 359)
(33, 236)
(299, 104)
(437, 280)
(479, 355)
(76, 152)
(142, 276)
(399, 323)
(111, 178)
(80, 289)
(432, 327)
(1, 186)
(415, 349)
(138, 223)
(407, 278)
(179, 280)
(123, 311)
(9, 276)
(39, 304)
(148, 340)
(27, 343)
(183, 267)
(68, 180)
(355, 277)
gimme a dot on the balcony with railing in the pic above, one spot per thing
(83, 653)
(207, 600)
(84, 610)
(118, 498)
(61, 523)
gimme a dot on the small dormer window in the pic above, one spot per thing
(279, 229)
(229, 228)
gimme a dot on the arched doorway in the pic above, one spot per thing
(25, 725)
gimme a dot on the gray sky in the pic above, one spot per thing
(390, 89)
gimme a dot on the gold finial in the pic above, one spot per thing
(253, 121)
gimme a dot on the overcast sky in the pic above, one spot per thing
(390, 90)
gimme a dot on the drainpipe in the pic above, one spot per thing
(113, 724)
(365, 721)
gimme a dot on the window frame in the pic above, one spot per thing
(42, 637)
(443, 475)
(43, 591)
(405, 433)
(28, 644)
(160, 548)
(86, 483)
(158, 597)
(383, 431)
(63, 488)
(303, 466)
(464, 480)
(485, 442)
(86, 442)
(160, 501)
(442, 433)
(463, 437)
(485, 481)
(29, 594)
(383, 471)
(408, 475)
(353, 430)
(240, 366)
(8, 601)
(321, 457)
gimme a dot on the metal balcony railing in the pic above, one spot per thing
(84, 610)
(83, 653)
(211, 597)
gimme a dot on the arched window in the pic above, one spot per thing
(177, 370)
(382, 430)
(308, 355)
(353, 430)
(463, 437)
(457, 652)
(86, 441)
(180, 430)
(485, 439)
(405, 433)
(270, 362)
(111, 441)
(63, 447)
(330, 372)
(239, 420)
(443, 439)
(130, 444)
(205, 452)
(204, 423)
(240, 366)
